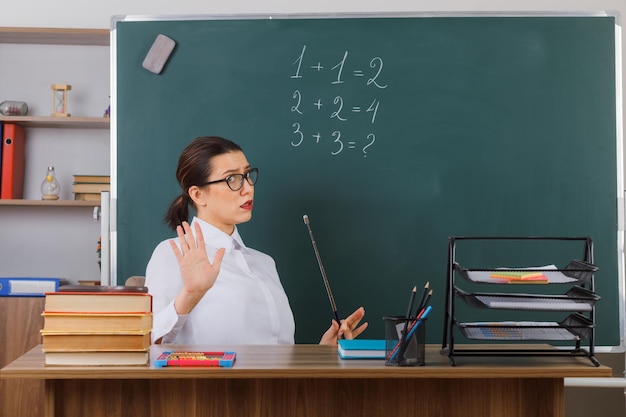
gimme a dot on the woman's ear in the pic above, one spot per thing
(197, 195)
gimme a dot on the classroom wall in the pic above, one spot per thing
(89, 14)
(80, 14)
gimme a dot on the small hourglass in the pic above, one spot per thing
(59, 99)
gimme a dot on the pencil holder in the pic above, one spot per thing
(404, 348)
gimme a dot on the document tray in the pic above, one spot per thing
(576, 271)
(575, 299)
(575, 328)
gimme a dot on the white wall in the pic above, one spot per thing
(91, 14)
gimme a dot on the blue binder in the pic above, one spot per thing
(27, 287)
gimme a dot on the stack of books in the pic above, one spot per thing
(97, 325)
(89, 187)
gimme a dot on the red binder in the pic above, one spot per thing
(12, 175)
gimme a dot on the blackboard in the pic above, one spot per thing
(391, 133)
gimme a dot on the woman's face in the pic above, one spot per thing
(221, 206)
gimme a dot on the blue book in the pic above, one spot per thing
(361, 349)
(27, 287)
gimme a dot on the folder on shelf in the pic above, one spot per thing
(1, 136)
(13, 147)
(27, 287)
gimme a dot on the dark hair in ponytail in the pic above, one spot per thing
(194, 168)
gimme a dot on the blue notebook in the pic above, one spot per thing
(361, 349)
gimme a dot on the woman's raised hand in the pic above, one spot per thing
(197, 272)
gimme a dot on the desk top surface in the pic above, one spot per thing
(312, 361)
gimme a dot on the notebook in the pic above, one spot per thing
(361, 349)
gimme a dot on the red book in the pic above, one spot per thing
(13, 147)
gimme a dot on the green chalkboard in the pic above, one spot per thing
(391, 134)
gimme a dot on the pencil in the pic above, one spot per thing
(410, 309)
(408, 315)
(411, 302)
(421, 305)
(424, 304)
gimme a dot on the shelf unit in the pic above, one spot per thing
(23, 314)
(55, 36)
(58, 122)
(578, 303)
(50, 203)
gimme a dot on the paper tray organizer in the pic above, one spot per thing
(575, 299)
(579, 301)
(574, 328)
(576, 272)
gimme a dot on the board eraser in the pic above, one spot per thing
(158, 54)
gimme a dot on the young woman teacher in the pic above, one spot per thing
(208, 287)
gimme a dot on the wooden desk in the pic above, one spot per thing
(20, 323)
(308, 380)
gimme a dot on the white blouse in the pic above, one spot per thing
(246, 305)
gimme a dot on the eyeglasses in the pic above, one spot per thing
(235, 181)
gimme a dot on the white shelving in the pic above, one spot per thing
(55, 238)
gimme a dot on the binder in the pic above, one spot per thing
(1, 136)
(27, 287)
(13, 148)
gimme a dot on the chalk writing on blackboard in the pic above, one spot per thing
(343, 84)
